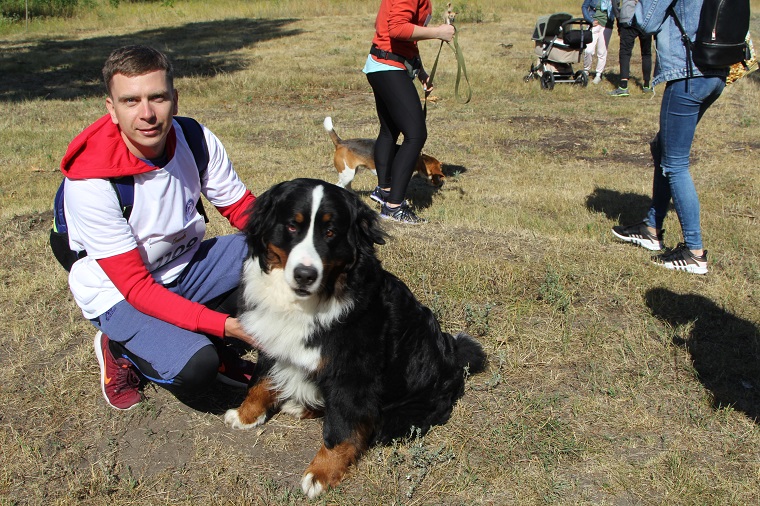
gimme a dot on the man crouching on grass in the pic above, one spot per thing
(149, 282)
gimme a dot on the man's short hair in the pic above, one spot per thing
(136, 60)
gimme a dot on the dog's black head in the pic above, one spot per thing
(314, 231)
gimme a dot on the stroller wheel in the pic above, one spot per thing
(581, 78)
(528, 78)
(547, 81)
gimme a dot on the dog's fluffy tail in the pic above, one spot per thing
(469, 353)
(330, 130)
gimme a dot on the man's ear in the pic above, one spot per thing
(175, 111)
(110, 108)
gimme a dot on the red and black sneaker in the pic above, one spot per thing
(234, 370)
(119, 379)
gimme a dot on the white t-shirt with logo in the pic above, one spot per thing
(164, 225)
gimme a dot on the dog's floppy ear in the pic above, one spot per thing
(369, 222)
(367, 231)
(260, 222)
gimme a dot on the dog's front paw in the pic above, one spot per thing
(328, 468)
(232, 418)
(311, 486)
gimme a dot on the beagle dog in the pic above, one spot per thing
(350, 154)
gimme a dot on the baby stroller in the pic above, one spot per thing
(560, 40)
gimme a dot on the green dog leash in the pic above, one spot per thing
(461, 67)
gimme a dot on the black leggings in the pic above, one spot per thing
(199, 372)
(400, 111)
(628, 36)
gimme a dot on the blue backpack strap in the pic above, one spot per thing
(125, 193)
(59, 218)
(197, 142)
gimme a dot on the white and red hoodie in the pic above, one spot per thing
(133, 260)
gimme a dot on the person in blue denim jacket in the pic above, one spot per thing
(689, 92)
(599, 14)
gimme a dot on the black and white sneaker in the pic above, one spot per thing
(379, 195)
(402, 214)
(682, 259)
(639, 235)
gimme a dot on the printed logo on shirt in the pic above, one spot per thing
(160, 251)
(189, 209)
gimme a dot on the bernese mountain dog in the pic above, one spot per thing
(339, 336)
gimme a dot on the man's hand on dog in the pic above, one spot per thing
(233, 328)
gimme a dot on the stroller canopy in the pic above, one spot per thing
(550, 25)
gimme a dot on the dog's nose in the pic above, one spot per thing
(305, 275)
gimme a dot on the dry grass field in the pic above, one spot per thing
(610, 381)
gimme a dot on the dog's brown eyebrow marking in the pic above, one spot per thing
(326, 217)
(277, 257)
(299, 218)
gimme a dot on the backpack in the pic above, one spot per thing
(125, 193)
(625, 11)
(721, 38)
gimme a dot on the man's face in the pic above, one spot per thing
(143, 107)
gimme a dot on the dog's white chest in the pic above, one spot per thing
(280, 321)
(283, 337)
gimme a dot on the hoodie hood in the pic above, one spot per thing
(100, 152)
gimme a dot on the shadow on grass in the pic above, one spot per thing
(420, 193)
(724, 348)
(216, 400)
(634, 82)
(71, 69)
(450, 170)
(625, 208)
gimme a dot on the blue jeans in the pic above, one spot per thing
(683, 104)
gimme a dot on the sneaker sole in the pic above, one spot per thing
(644, 243)
(102, 364)
(690, 268)
(377, 199)
(390, 218)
